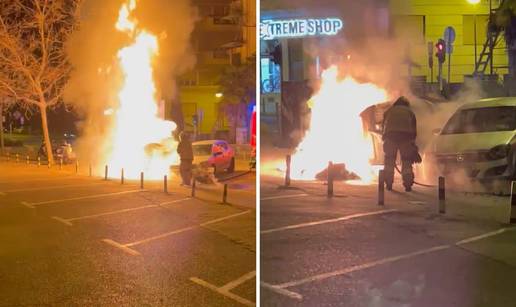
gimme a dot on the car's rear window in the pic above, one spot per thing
(489, 119)
(202, 150)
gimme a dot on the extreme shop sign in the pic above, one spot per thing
(291, 28)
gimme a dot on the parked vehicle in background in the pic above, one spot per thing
(62, 152)
(478, 141)
(212, 157)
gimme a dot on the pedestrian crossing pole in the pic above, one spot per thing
(512, 218)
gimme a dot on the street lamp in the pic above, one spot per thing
(474, 1)
(219, 95)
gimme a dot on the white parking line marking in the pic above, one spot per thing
(53, 187)
(223, 291)
(483, 236)
(375, 263)
(237, 282)
(174, 201)
(36, 180)
(334, 220)
(84, 217)
(186, 229)
(64, 221)
(26, 204)
(162, 235)
(284, 196)
(282, 291)
(361, 267)
(55, 201)
(126, 247)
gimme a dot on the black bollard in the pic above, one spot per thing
(381, 190)
(512, 218)
(77, 166)
(105, 172)
(442, 195)
(141, 180)
(165, 182)
(61, 164)
(287, 172)
(225, 194)
(122, 176)
(193, 187)
(330, 179)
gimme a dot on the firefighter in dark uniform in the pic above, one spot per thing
(399, 134)
(185, 151)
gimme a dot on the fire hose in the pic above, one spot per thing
(415, 182)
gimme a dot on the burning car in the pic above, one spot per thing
(478, 141)
(212, 157)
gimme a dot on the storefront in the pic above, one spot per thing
(290, 42)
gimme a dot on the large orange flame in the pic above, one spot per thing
(136, 121)
(336, 132)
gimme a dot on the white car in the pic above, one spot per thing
(479, 141)
(216, 155)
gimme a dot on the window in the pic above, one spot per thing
(410, 27)
(482, 120)
(468, 28)
(220, 54)
(224, 21)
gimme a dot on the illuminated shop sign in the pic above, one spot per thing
(291, 28)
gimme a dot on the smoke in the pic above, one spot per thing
(97, 78)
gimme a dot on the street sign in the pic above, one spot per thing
(449, 38)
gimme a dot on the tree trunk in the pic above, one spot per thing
(46, 135)
(1, 128)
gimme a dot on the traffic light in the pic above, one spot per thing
(441, 50)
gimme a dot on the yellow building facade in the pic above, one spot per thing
(225, 35)
(415, 23)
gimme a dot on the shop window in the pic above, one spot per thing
(469, 23)
(270, 76)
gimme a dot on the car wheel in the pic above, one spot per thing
(231, 167)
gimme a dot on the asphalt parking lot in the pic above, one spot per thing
(73, 240)
(348, 251)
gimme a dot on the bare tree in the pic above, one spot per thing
(33, 63)
(4, 104)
